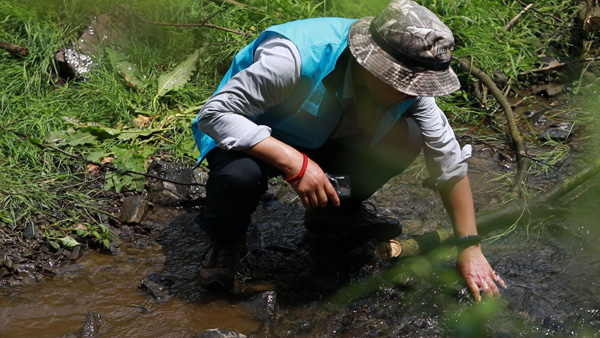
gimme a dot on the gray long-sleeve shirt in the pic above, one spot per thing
(226, 117)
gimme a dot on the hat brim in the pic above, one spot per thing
(413, 81)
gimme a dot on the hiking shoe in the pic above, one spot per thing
(220, 262)
(361, 222)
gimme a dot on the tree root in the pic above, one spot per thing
(519, 144)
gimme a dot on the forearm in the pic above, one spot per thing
(278, 154)
(458, 200)
(314, 189)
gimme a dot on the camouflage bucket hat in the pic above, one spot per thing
(407, 47)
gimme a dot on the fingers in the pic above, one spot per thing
(487, 286)
(498, 279)
(474, 290)
(331, 194)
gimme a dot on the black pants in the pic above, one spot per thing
(237, 181)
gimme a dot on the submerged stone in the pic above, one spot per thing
(262, 306)
(219, 333)
(157, 286)
(92, 325)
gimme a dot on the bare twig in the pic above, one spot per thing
(516, 18)
(16, 50)
(202, 24)
(236, 3)
(543, 69)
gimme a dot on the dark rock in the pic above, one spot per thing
(219, 333)
(126, 233)
(7, 262)
(262, 306)
(30, 231)
(181, 185)
(92, 325)
(134, 209)
(113, 248)
(558, 132)
(548, 90)
(500, 78)
(4, 272)
(157, 286)
(76, 62)
(48, 272)
(76, 253)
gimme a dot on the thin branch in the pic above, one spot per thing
(239, 4)
(208, 25)
(516, 18)
(16, 50)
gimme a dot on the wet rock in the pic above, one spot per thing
(48, 272)
(558, 132)
(76, 253)
(30, 231)
(181, 185)
(262, 306)
(92, 325)
(548, 90)
(157, 286)
(76, 62)
(134, 209)
(219, 333)
(7, 262)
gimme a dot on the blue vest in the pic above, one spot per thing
(309, 116)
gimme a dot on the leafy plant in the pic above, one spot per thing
(178, 77)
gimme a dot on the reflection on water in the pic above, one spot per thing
(109, 286)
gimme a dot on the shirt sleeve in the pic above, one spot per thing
(445, 160)
(227, 116)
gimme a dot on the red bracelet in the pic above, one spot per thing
(302, 171)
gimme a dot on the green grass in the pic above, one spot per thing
(33, 106)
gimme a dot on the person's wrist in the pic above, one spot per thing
(300, 173)
(467, 241)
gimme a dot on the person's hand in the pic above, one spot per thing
(314, 188)
(478, 274)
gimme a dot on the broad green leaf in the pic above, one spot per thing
(68, 242)
(106, 243)
(126, 69)
(91, 135)
(81, 137)
(96, 156)
(178, 77)
(55, 245)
